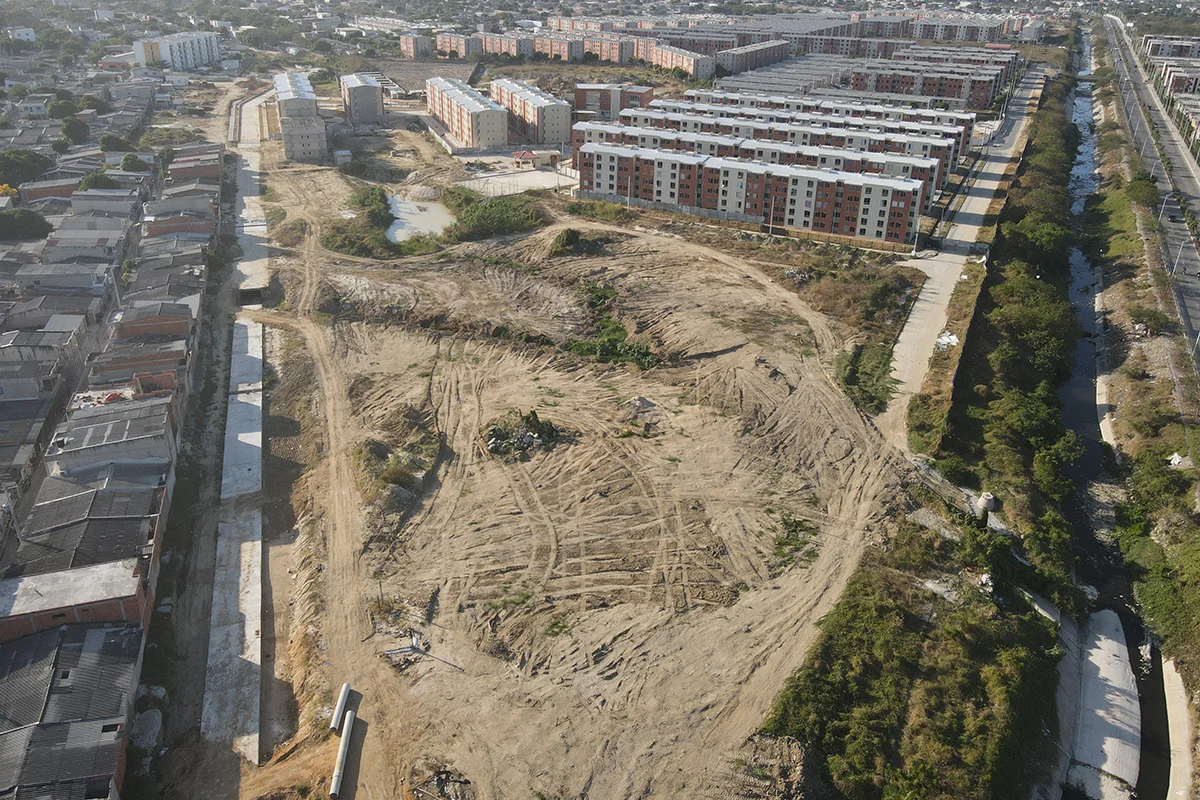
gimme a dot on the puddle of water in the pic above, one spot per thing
(417, 217)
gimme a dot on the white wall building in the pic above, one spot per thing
(180, 51)
(362, 98)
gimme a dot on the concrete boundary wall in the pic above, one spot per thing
(233, 684)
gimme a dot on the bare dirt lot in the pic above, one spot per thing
(610, 616)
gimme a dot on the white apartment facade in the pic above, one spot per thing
(180, 51)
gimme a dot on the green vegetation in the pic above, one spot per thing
(110, 143)
(74, 130)
(1005, 424)
(365, 236)
(912, 693)
(570, 242)
(18, 166)
(601, 209)
(795, 542)
(865, 372)
(61, 108)
(611, 342)
(21, 223)
(481, 218)
(131, 163)
(91, 101)
(98, 180)
(169, 137)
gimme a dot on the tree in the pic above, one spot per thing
(91, 101)
(98, 180)
(64, 94)
(60, 109)
(165, 157)
(18, 166)
(7, 191)
(21, 223)
(74, 130)
(60, 146)
(323, 46)
(115, 144)
(131, 163)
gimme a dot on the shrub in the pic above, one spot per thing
(98, 180)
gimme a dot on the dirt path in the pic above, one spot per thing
(347, 625)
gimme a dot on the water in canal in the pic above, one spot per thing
(1100, 563)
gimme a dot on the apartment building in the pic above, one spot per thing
(537, 117)
(894, 165)
(962, 29)
(504, 44)
(697, 67)
(362, 98)
(839, 108)
(613, 49)
(473, 120)
(180, 51)
(1171, 46)
(752, 56)
(847, 46)
(870, 141)
(1008, 60)
(978, 87)
(302, 131)
(899, 27)
(414, 47)
(606, 100)
(458, 45)
(863, 206)
(680, 115)
(559, 48)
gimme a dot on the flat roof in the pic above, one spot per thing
(810, 173)
(94, 583)
(357, 79)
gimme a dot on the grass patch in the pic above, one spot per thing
(908, 693)
(865, 373)
(482, 217)
(601, 209)
(611, 341)
(570, 242)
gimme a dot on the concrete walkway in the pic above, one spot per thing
(927, 320)
(232, 705)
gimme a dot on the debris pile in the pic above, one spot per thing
(517, 434)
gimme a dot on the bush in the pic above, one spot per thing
(865, 373)
(61, 109)
(494, 216)
(600, 209)
(110, 143)
(1155, 321)
(98, 180)
(74, 130)
(21, 223)
(611, 341)
(131, 163)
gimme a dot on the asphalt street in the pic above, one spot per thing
(1180, 253)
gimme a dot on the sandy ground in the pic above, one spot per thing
(608, 618)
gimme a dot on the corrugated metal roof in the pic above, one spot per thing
(26, 667)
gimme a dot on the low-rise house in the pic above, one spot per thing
(160, 319)
(124, 202)
(68, 696)
(141, 429)
(105, 247)
(40, 345)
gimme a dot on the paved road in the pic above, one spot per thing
(1181, 255)
(927, 320)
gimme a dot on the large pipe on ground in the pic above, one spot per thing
(335, 785)
(340, 708)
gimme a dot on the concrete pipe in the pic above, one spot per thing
(339, 767)
(340, 708)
